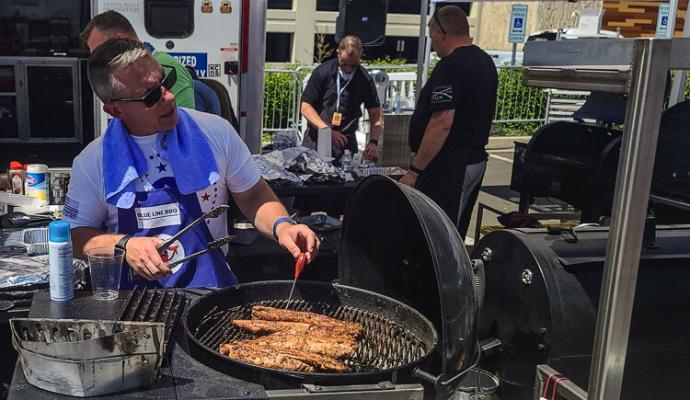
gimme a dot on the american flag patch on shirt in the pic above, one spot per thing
(71, 208)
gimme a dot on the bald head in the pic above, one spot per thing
(350, 44)
(452, 20)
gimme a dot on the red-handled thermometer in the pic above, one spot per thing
(300, 263)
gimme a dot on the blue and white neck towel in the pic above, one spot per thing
(183, 146)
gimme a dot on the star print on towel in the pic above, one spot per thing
(185, 145)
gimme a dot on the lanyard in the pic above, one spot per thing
(339, 90)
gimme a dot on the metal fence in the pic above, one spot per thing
(516, 104)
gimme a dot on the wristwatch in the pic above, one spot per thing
(374, 141)
(415, 169)
(122, 243)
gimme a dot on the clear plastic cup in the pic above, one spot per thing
(105, 264)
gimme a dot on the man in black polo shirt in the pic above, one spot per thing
(451, 122)
(333, 98)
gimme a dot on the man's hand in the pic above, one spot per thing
(298, 239)
(338, 139)
(371, 152)
(142, 256)
(5, 184)
(409, 179)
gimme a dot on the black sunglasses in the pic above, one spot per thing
(152, 98)
(438, 22)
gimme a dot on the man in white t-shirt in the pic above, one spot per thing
(156, 169)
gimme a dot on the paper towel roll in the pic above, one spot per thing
(323, 146)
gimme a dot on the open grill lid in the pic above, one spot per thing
(398, 242)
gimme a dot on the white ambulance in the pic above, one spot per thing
(222, 40)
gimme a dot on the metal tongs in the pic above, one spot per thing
(215, 212)
(300, 263)
(212, 245)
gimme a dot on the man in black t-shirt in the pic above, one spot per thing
(333, 98)
(451, 122)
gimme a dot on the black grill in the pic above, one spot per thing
(395, 339)
(569, 161)
(383, 345)
(154, 305)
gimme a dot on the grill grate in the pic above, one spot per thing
(154, 305)
(383, 345)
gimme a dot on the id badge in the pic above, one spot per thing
(337, 119)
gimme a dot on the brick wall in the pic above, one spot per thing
(638, 18)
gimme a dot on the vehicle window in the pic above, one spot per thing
(280, 4)
(169, 18)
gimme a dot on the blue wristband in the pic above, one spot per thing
(280, 221)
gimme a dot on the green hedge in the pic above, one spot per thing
(515, 101)
(278, 89)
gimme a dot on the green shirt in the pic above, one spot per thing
(184, 87)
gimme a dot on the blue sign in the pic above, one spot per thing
(197, 61)
(518, 18)
(662, 20)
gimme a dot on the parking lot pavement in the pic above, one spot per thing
(495, 191)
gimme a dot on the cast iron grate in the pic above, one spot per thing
(383, 344)
(155, 305)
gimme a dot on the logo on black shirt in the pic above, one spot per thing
(442, 94)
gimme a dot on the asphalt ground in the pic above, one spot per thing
(496, 193)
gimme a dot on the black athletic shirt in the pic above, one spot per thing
(465, 80)
(321, 94)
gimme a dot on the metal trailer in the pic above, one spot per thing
(222, 40)
(638, 67)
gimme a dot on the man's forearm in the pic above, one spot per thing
(375, 122)
(312, 116)
(261, 206)
(84, 239)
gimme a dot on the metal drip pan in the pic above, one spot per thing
(88, 358)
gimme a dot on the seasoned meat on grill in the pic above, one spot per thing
(276, 314)
(264, 358)
(296, 341)
(318, 361)
(260, 327)
(333, 346)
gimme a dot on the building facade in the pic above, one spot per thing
(302, 31)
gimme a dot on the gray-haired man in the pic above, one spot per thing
(156, 169)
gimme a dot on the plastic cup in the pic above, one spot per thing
(105, 264)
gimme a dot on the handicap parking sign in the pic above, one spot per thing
(518, 19)
(662, 20)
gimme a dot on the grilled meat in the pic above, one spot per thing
(276, 314)
(260, 327)
(318, 361)
(296, 341)
(264, 358)
(333, 346)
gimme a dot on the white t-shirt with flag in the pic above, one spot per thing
(85, 204)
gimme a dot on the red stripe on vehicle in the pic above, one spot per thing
(245, 37)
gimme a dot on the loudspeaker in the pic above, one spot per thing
(364, 18)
